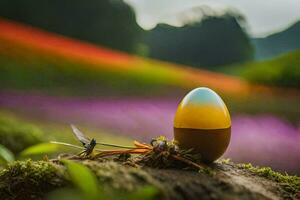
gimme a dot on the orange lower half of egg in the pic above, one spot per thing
(209, 143)
(202, 123)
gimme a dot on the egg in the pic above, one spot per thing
(202, 123)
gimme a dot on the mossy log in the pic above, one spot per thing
(222, 180)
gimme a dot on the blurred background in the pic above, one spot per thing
(118, 69)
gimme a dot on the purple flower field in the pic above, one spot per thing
(263, 140)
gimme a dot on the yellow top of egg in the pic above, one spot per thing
(202, 108)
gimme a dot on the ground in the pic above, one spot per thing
(221, 180)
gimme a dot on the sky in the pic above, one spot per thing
(262, 17)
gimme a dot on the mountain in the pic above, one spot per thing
(212, 42)
(107, 23)
(278, 43)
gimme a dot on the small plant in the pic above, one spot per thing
(6, 156)
(159, 153)
(40, 149)
(83, 179)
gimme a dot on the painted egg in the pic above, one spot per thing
(202, 123)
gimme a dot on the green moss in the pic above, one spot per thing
(29, 180)
(17, 135)
(225, 161)
(289, 183)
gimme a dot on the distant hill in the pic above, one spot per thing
(278, 43)
(212, 42)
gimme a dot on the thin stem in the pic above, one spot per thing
(117, 152)
(114, 145)
(67, 144)
(199, 166)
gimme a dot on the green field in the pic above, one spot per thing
(282, 71)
